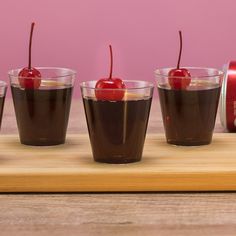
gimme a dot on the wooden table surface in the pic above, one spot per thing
(119, 213)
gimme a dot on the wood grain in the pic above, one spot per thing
(118, 214)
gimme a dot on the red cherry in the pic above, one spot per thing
(110, 89)
(29, 77)
(112, 93)
(179, 78)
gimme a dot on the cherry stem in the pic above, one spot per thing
(111, 62)
(180, 49)
(30, 43)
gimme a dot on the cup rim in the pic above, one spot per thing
(148, 85)
(72, 72)
(218, 74)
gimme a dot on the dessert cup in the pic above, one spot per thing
(117, 129)
(42, 114)
(3, 90)
(189, 114)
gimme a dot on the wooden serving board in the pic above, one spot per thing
(70, 167)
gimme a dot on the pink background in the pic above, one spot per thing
(144, 35)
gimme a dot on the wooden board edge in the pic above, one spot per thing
(121, 183)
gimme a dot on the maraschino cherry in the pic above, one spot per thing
(29, 77)
(110, 88)
(179, 78)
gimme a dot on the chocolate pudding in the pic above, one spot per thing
(189, 115)
(117, 129)
(42, 114)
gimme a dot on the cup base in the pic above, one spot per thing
(117, 161)
(48, 143)
(188, 143)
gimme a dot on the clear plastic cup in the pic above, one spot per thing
(3, 90)
(117, 129)
(189, 114)
(42, 114)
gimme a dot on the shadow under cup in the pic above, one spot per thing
(117, 129)
(42, 114)
(189, 114)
